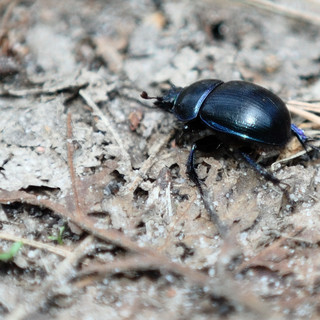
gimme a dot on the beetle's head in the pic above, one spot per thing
(167, 101)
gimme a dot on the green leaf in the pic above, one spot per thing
(58, 237)
(7, 256)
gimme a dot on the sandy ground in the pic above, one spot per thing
(92, 178)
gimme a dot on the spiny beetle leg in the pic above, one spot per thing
(206, 144)
(222, 229)
(191, 172)
(299, 133)
(303, 139)
(265, 173)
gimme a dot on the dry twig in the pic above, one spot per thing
(71, 166)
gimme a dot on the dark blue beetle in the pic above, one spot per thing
(239, 109)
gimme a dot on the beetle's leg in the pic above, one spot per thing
(206, 144)
(194, 177)
(270, 177)
(191, 172)
(261, 170)
(299, 133)
(303, 139)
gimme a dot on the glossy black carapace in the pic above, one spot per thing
(238, 108)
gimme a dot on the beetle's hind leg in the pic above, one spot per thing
(299, 133)
(261, 170)
(303, 139)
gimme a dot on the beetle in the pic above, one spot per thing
(248, 113)
(240, 113)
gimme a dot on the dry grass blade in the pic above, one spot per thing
(315, 107)
(301, 111)
(36, 244)
(283, 10)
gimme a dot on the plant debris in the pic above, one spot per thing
(93, 179)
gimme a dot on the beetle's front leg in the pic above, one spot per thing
(191, 172)
(207, 144)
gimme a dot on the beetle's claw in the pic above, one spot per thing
(313, 147)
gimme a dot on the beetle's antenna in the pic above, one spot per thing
(144, 95)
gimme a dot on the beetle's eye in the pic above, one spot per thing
(172, 95)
